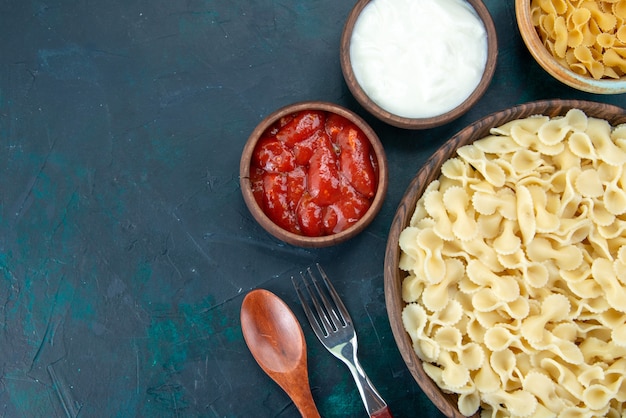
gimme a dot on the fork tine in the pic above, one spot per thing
(343, 316)
(315, 323)
(324, 311)
(323, 325)
(333, 317)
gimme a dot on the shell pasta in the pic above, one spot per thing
(516, 271)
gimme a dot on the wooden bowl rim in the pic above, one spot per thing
(547, 61)
(418, 123)
(393, 276)
(301, 240)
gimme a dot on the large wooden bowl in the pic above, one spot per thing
(553, 67)
(447, 403)
(418, 123)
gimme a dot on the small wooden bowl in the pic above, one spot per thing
(418, 123)
(447, 403)
(549, 63)
(301, 240)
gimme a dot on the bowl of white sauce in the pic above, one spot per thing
(418, 64)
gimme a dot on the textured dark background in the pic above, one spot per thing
(125, 246)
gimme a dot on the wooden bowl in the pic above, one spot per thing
(301, 240)
(553, 67)
(418, 123)
(447, 403)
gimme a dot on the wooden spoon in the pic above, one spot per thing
(277, 343)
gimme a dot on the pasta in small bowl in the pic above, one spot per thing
(505, 268)
(580, 43)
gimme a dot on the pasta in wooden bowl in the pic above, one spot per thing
(580, 43)
(506, 262)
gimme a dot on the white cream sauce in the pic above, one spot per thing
(418, 58)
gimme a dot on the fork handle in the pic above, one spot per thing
(382, 413)
(376, 406)
(374, 403)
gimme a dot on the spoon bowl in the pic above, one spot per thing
(276, 341)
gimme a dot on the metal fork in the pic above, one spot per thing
(333, 326)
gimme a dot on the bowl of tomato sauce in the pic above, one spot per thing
(313, 174)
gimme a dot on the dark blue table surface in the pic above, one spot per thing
(125, 245)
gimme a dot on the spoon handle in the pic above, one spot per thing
(304, 402)
(296, 386)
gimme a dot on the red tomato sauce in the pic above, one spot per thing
(314, 173)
